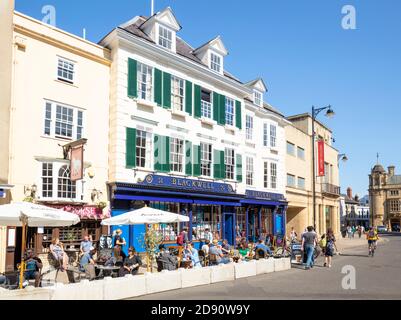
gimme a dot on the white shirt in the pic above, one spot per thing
(205, 248)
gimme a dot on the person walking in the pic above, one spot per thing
(293, 235)
(359, 232)
(349, 232)
(330, 246)
(309, 240)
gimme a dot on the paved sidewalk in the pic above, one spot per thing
(343, 244)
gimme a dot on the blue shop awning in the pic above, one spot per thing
(262, 202)
(218, 203)
(148, 198)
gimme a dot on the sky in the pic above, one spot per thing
(302, 52)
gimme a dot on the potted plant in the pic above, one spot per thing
(151, 241)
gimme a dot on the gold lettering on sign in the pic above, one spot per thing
(174, 182)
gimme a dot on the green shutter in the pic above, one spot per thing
(188, 158)
(158, 87)
(188, 97)
(131, 148)
(222, 166)
(197, 161)
(238, 114)
(157, 152)
(166, 90)
(239, 168)
(166, 167)
(132, 78)
(222, 113)
(197, 100)
(216, 107)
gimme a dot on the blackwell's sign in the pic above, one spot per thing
(178, 183)
(252, 194)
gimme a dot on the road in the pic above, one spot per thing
(376, 278)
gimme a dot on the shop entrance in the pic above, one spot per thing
(253, 224)
(229, 227)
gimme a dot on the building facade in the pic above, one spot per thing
(188, 137)
(299, 177)
(385, 197)
(54, 103)
(354, 212)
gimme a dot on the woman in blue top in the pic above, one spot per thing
(192, 254)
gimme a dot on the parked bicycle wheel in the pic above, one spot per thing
(282, 252)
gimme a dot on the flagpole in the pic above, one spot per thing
(152, 7)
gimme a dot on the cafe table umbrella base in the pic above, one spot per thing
(26, 214)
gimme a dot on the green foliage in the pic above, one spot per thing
(151, 241)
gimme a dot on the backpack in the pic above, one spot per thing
(180, 239)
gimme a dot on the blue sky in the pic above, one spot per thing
(300, 49)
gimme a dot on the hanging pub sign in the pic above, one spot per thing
(320, 149)
(77, 163)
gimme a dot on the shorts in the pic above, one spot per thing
(371, 242)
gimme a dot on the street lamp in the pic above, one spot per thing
(343, 157)
(329, 113)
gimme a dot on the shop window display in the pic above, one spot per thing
(206, 217)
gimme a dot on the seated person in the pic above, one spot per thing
(168, 261)
(243, 250)
(57, 249)
(193, 255)
(85, 246)
(33, 266)
(261, 245)
(131, 263)
(251, 251)
(226, 248)
(205, 247)
(87, 263)
(215, 250)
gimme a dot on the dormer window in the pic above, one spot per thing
(165, 37)
(257, 98)
(215, 62)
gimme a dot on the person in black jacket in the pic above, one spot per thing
(166, 261)
(131, 263)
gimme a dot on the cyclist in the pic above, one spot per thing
(372, 240)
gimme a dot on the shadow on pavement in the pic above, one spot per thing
(354, 255)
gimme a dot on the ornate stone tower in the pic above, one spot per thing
(377, 194)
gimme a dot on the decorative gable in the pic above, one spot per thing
(257, 84)
(214, 48)
(167, 18)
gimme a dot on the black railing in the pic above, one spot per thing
(331, 189)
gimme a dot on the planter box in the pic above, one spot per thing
(245, 269)
(25, 294)
(222, 272)
(163, 281)
(282, 264)
(287, 263)
(195, 277)
(122, 288)
(264, 266)
(84, 290)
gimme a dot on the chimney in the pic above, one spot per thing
(349, 193)
(391, 171)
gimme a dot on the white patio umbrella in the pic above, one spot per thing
(26, 214)
(145, 216)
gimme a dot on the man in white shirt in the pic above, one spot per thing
(208, 235)
(205, 247)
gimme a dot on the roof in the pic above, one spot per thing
(182, 48)
(378, 168)
(349, 200)
(394, 180)
(308, 115)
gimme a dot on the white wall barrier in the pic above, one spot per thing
(195, 277)
(245, 269)
(83, 290)
(282, 264)
(121, 288)
(264, 266)
(29, 293)
(222, 272)
(163, 281)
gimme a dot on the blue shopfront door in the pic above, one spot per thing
(279, 224)
(229, 227)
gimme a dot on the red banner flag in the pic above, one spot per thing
(320, 152)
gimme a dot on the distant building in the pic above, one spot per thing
(354, 211)
(385, 197)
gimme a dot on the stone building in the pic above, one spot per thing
(385, 197)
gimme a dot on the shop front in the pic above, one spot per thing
(209, 205)
(262, 215)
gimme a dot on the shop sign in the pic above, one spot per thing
(178, 183)
(252, 194)
(77, 163)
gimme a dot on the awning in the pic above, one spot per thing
(262, 202)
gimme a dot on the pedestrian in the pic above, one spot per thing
(360, 231)
(293, 235)
(119, 243)
(330, 246)
(322, 243)
(349, 232)
(353, 231)
(309, 239)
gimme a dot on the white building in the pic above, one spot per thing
(179, 120)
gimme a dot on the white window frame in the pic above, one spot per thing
(73, 71)
(163, 39)
(176, 86)
(206, 149)
(266, 174)
(250, 171)
(258, 98)
(229, 161)
(230, 104)
(273, 136)
(273, 175)
(148, 149)
(79, 185)
(149, 94)
(265, 135)
(177, 156)
(249, 127)
(51, 120)
(216, 66)
(207, 107)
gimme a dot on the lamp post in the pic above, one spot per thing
(315, 111)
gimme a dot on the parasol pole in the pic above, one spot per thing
(147, 252)
(22, 265)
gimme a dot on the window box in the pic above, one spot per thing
(146, 103)
(208, 121)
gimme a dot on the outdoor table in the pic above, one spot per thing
(113, 270)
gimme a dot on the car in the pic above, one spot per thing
(381, 229)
